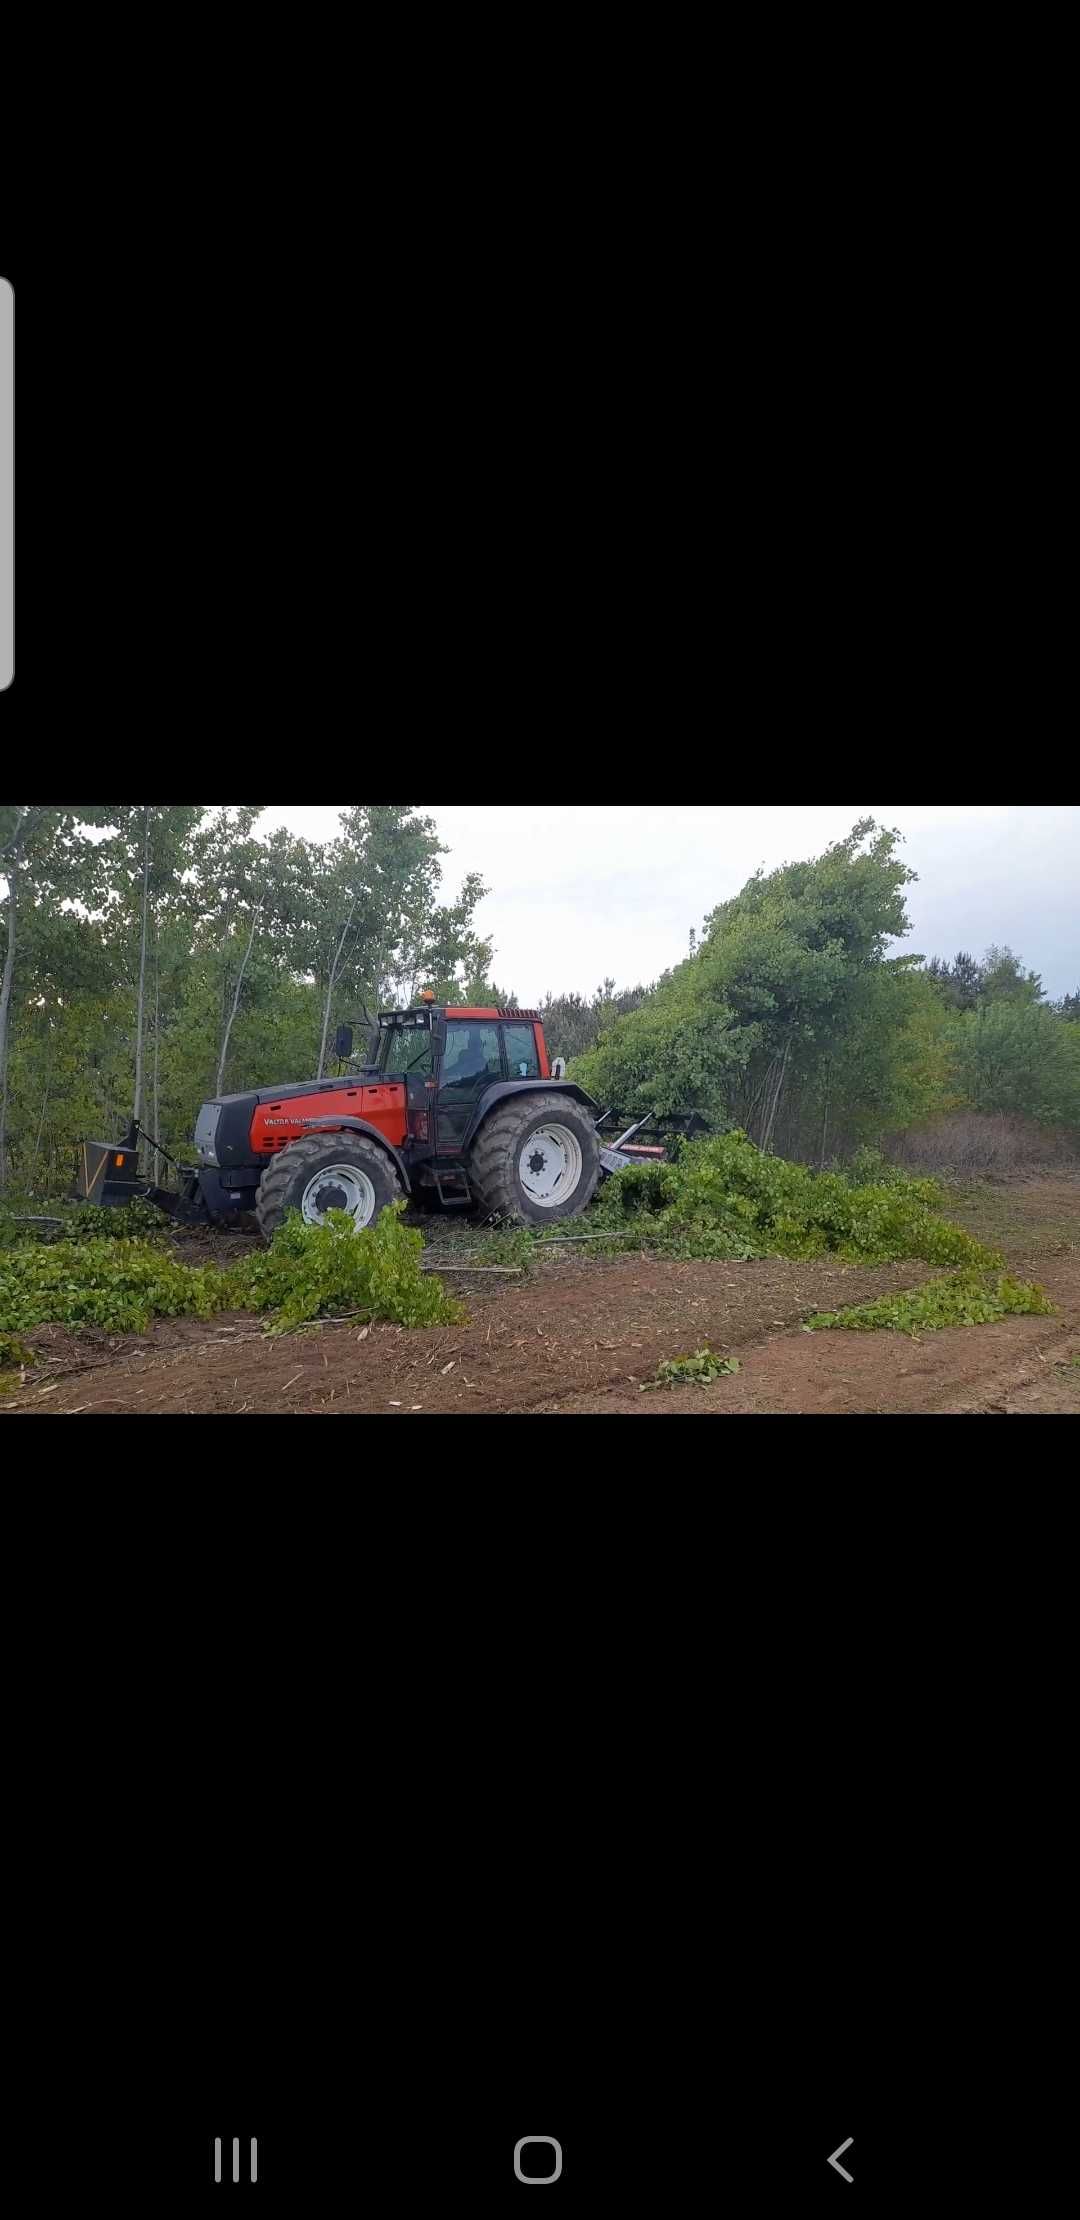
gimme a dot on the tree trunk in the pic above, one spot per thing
(774, 1105)
(137, 1111)
(824, 1124)
(330, 990)
(5, 999)
(235, 1003)
(40, 1131)
(157, 1060)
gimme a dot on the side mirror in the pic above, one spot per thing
(558, 1069)
(343, 1042)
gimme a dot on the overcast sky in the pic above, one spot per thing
(582, 894)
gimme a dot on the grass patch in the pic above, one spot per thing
(965, 1299)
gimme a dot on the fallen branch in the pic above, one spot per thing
(513, 1271)
(556, 1240)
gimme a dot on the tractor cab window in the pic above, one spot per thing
(471, 1055)
(521, 1058)
(404, 1050)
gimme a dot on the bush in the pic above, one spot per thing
(122, 1284)
(963, 1300)
(726, 1199)
(871, 1168)
(310, 1270)
(971, 1141)
(113, 1283)
(133, 1221)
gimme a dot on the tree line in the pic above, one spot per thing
(791, 1020)
(152, 956)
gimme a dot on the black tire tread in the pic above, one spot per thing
(494, 1151)
(279, 1175)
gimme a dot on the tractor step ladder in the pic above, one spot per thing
(454, 1200)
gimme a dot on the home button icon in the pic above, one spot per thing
(537, 2181)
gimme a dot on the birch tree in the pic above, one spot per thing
(137, 1106)
(9, 859)
(255, 915)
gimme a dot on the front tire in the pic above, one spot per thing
(536, 1160)
(327, 1171)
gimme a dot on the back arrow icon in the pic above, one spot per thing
(835, 2155)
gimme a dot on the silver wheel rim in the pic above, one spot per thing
(338, 1187)
(550, 1166)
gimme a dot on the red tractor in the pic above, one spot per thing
(456, 1103)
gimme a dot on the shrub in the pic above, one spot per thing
(871, 1167)
(963, 1300)
(114, 1283)
(309, 1270)
(122, 1284)
(133, 1221)
(725, 1198)
(1001, 1143)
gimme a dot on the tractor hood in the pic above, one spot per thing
(223, 1123)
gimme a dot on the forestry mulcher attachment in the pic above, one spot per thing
(456, 1104)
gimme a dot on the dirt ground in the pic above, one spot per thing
(584, 1333)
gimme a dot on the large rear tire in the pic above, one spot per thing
(536, 1159)
(327, 1171)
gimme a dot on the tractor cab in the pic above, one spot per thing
(453, 1060)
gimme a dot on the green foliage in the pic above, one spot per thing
(307, 1271)
(697, 1370)
(311, 1270)
(134, 1221)
(869, 1167)
(775, 992)
(252, 943)
(788, 1020)
(727, 1198)
(964, 1299)
(1017, 1055)
(509, 1245)
(574, 1023)
(970, 985)
(118, 1284)
(12, 1352)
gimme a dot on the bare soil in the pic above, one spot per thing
(584, 1333)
